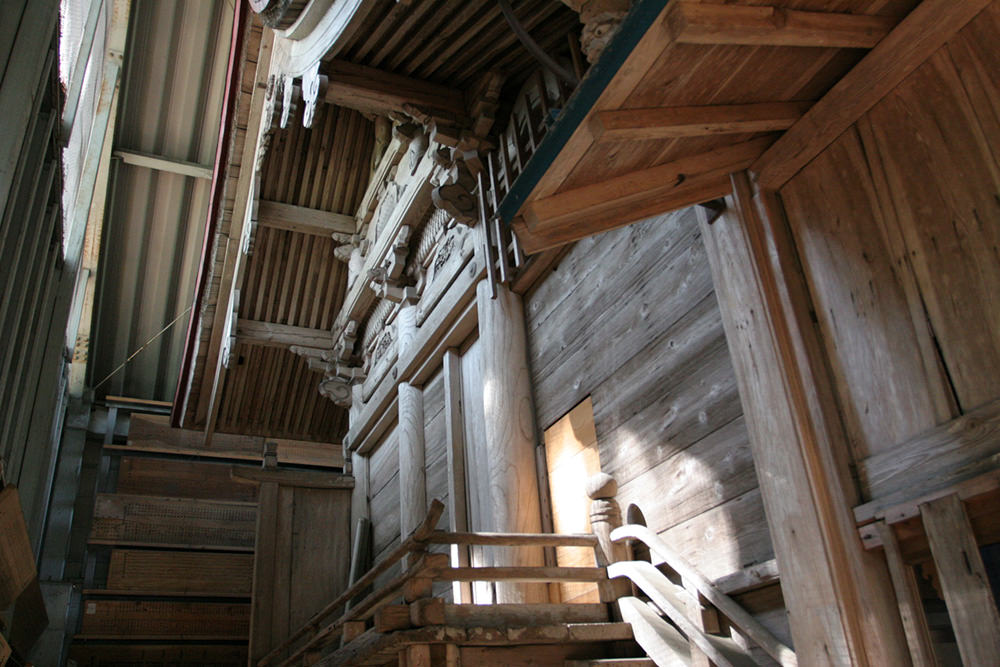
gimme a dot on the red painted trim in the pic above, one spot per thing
(214, 202)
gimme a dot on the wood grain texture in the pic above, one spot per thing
(178, 572)
(698, 23)
(17, 562)
(944, 190)
(803, 490)
(181, 479)
(873, 343)
(192, 523)
(666, 408)
(911, 606)
(510, 433)
(122, 619)
(971, 606)
(412, 473)
(914, 40)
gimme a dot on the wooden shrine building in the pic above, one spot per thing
(500, 332)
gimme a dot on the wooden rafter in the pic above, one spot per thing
(697, 23)
(212, 379)
(677, 122)
(581, 212)
(915, 39)
(281, 335)
(303, 220)
(372, 90)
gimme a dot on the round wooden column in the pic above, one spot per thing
(510, 435)
(412, 478)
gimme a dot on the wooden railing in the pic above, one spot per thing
(664, 595)
(535, 108)
(421, 570)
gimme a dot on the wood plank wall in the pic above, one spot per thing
(667, 411)
(383, 503)
(171, 561)
(383, 479)
(897, 226)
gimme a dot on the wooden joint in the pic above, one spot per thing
(427, 611)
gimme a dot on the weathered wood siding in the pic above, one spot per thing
(436, 462)
(666, 408)
(897, 225)
(383, 485)
(435, 448)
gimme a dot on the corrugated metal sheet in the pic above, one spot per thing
(171, 99)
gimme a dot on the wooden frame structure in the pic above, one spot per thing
(755, 241)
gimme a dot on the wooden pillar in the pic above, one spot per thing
(412, 478)
(510, 435)
(840, 601)
(964, 581)
(605, 516)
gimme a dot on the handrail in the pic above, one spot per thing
(514, 539)
(429, 567)
(416, 540)
(742, 619)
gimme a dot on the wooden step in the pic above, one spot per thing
(374, 647)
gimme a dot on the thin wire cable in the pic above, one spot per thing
(144, 346)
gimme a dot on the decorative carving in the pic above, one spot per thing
(443, 254)
(312, 83)
(385, 341)
(229, 334)
(600, 19)
(455, 194)
(287, 93)
(344, 349)
(337, 390)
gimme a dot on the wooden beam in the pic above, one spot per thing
(304, 220)
(309, 479)
(911, 607)
(935, 462)
(971, 606)
(916, 38)
(841, 607)
(697, 23)
(372, 90)
(158, 163)
(575, 214)
(281, 335)
(154, 435)
(231, 252)
(677, 122)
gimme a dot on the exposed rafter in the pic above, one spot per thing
(159, 163)
(575, 214)
(697, 23)
(674, 122)
(281, 335)
(373, 90)
(303, 220)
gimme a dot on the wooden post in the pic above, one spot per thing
(911, 607)
(605, 516)
(840, 600)
(966, 587)
(412, 478)
(510, 435)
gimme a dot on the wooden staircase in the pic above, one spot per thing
(644, 617)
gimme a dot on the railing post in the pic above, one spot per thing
(605, 516)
